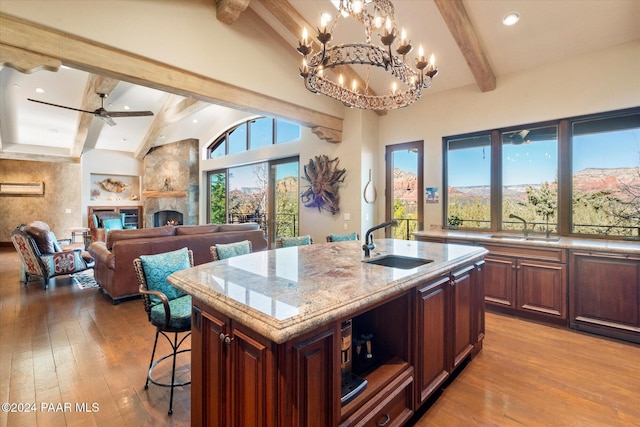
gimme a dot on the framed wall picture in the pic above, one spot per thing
(21, 188)
(431, 195)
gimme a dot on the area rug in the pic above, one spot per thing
(85, 279)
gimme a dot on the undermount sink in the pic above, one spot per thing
(398, 261)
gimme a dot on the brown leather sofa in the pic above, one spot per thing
(114, 258)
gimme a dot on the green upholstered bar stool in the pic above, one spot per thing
(168, 308)
(228, 250)
(285, 242)
(342, 237)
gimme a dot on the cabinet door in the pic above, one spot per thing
(478, 306)
(432, 328)
(499, 281)
(252, 391)
(605, 294)
(542, 288)
(462, 315)
(312, 381)
(214, 372)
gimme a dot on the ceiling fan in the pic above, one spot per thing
(105, 115)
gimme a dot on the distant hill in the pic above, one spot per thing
(587, 180)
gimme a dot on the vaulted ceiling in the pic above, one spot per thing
(467, 37)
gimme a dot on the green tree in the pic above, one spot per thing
(218, 198)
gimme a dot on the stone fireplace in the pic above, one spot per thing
(170, 184)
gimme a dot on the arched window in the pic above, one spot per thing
(253, 134)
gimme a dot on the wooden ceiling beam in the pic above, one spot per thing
(185, 108)
(97, 58)
(228, 11)
(90, 101)
(173, 109)
(50, 158)
(25, 61)
(457, 19)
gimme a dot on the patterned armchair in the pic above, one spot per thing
(42, 256)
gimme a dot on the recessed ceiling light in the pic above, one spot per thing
(195, 120)
(126, 107)
(124, 139)
(16, 85)
(510, 19)
(39, 90)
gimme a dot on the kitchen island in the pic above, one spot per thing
(268, 331)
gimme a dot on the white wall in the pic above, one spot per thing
(596, 82)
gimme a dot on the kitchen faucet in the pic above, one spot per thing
(526, 232)
(368, 237)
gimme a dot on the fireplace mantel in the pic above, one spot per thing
(164, 194)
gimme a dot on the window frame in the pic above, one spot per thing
(565, 181)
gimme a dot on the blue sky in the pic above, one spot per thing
(537, 162)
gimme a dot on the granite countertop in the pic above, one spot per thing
(286, 292)
(618, 246)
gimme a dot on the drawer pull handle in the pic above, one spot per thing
(387, 418)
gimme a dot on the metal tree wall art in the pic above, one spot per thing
(324, 178)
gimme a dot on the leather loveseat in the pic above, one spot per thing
(114, 258)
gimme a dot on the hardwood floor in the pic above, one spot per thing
(71, 346)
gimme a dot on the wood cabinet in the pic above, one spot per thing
(605, 294)
(132, 214)
(418, 338)
(389, 373)
(450, 326)
(237, 378)
(527, 281)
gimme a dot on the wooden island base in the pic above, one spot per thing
(419, 337)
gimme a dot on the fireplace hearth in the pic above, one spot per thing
(167, 217)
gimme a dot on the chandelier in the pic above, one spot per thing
(376, 16)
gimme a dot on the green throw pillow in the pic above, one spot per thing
(343, 237)
(228, 250)
(112, 224)
(295, 241)
(158, 267)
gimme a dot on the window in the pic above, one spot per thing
(468, 181)
(605, 175)
(404, 178)
(530, 178)
(286, 132)
(218, 197)
(265, 193)
(237, 139)
(254, 134)
(261, 133)
(576, 176)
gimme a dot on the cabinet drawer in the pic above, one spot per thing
(518, 251)
(391, 407)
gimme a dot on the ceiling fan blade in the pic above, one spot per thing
(60, 106)
(108, 120)
(129, 113)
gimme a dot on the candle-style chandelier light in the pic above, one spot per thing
(377, 17)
